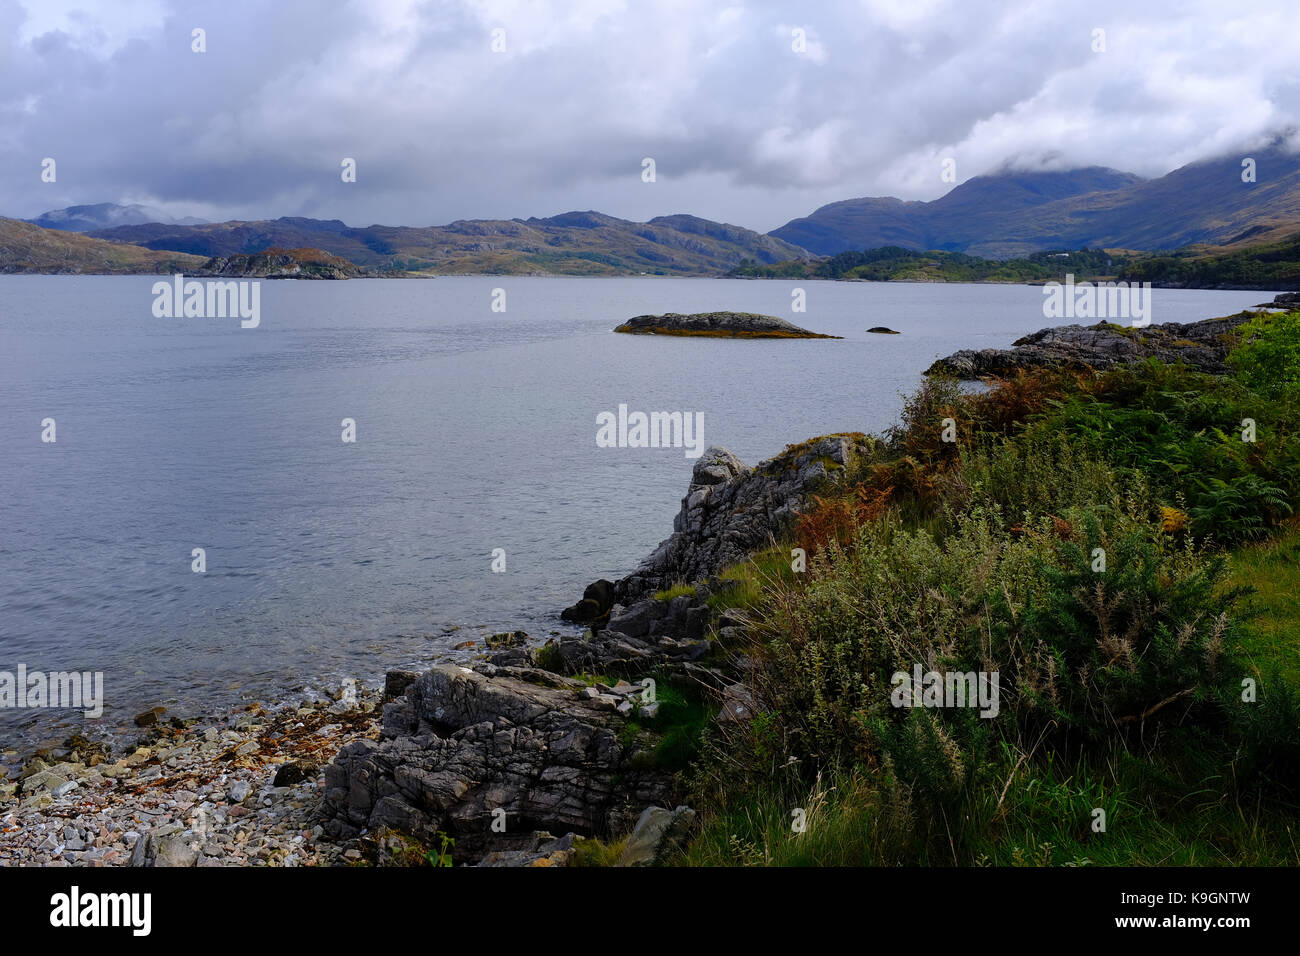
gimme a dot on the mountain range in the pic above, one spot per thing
(1002, 215)
(1010, 214)
(575, 243)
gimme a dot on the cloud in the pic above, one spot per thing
(743, 126)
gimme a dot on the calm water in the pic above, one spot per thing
(475, 431)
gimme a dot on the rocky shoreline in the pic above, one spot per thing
(570, 737)
(1203, 345)
(529, 752)
(239, 791)
(473, 765)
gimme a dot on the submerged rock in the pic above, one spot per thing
(597, 600)
(883, 330)
(733, 325)
(506, 640)
(150, 717)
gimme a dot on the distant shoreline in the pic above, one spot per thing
(560, 275)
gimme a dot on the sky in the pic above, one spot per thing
(753, 112)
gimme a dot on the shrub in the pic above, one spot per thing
(1066, 541)
(1179, 432)
(1268, 358)
(1082, 655)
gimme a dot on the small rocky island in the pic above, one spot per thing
(280, 264)
(724, 325)
(1203, 345)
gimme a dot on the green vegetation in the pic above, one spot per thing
(1271, 572)
(680, 721)
(751, 579)
(677, 727)
(1268, 359)
(677, 590)
(441, 856)
(1118, 550)
(593, 852)
(894, 263)
(1270, 265)
(548, 657)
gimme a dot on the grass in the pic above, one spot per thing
(1045, 817)
(678, 728)
(594, 852)
(677, 590)
(751, 578)
(1272, 571)
(549, 658)
(591, 680)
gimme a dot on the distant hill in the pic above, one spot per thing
(1010, 214)
(27, 248)
(972, 213)
(896, 264)
(574, 243)
(1267, 265)
(106, 215)
(1240, 265)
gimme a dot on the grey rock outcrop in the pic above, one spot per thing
(396, 682)
(1283, 300)
(613, 652)
(731, 510)
(463, 746)
(1203, 345)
